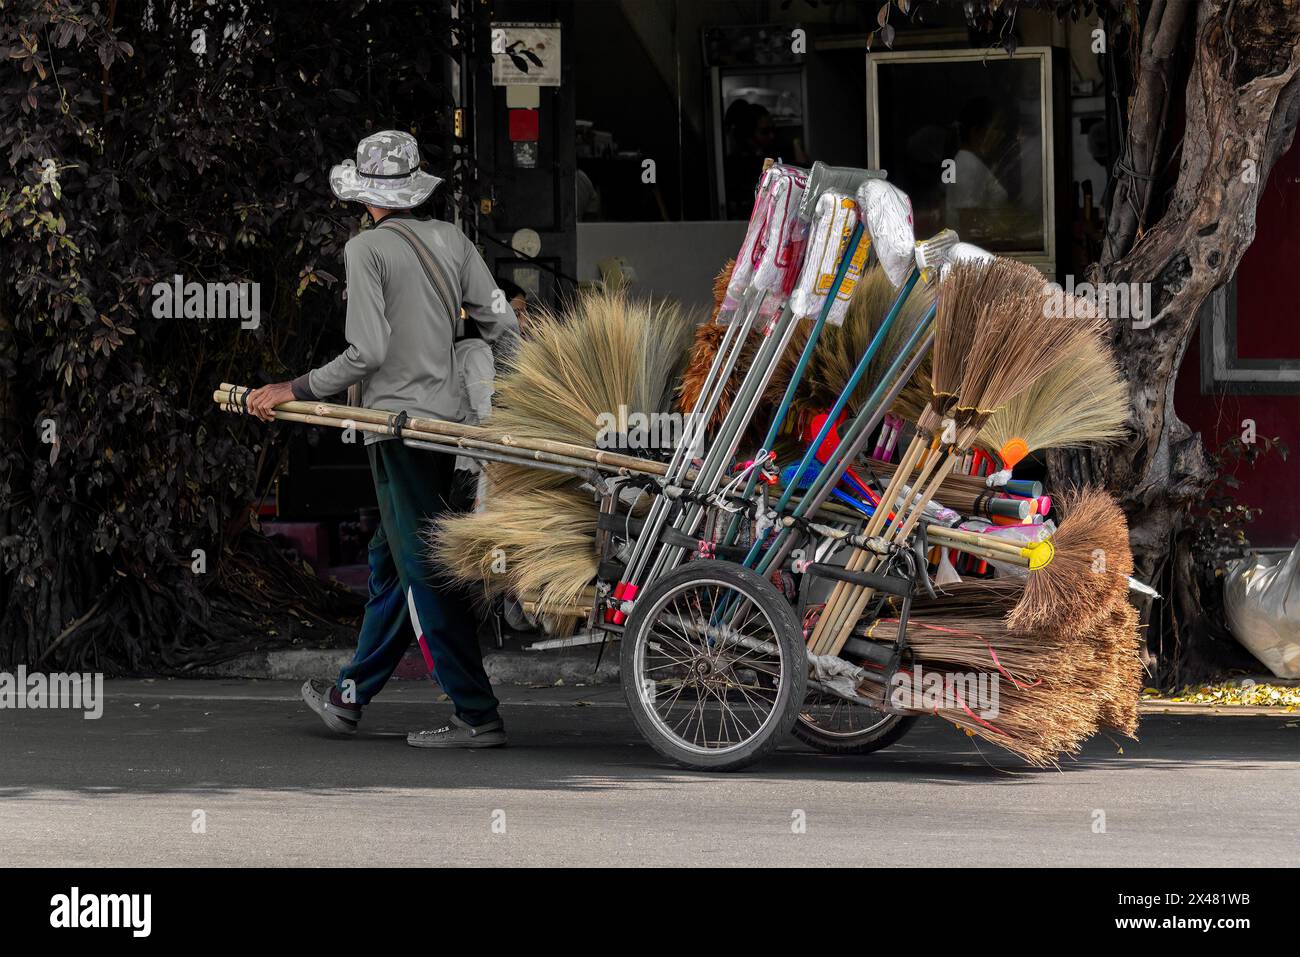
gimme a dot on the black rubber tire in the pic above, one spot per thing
(879, 737)
(794, 679)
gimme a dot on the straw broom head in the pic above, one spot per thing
(720, 283)
(971, 296)
(542, 543)
(1122, 637)
(537, 531)
(607, 352)
(1080, 401)
(1018, 343)
(915, 396)
(707, 339)
(1089, 569)
(1056, 686)
(708, 336)
(1048, 684)
(1036, 722)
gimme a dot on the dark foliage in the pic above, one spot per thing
(135, 148)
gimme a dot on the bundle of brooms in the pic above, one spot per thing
(990, 345)
(607, 357)
(1061, 648)
(536, 535)
(707, 339)
(831, 363)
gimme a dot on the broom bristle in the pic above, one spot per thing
(708, 336)
(1014, 347)
(1089, 568)
(1079, 402)
(993, 339)
(1123, 639)
(536, 533)
(542, 542)
(839, 348)
(965, 296)
(720, 283)
(608, 352)
(1054, 688)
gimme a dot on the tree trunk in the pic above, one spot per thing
(1242, 102)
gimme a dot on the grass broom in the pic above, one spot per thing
(988, 347)
(1079, 402)
(1090, 569)
(536, 532)
(1055, 688)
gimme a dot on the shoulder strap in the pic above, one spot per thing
(442, 284)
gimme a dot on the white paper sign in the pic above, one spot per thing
(526, 53)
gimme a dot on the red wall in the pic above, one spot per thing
(1268, 327)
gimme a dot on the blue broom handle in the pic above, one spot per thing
(806, 356)
(850, 250)
(850, 386)
(834, 470)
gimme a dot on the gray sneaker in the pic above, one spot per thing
(460, 734)
(321, 697)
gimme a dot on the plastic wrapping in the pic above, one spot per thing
(1014, 534)
(828, 238)
(888, 215)
(840, 179)
(783, 243)
(964, 253)
(837, 674)
(775, 183)
(750, 247)
(1261, 594)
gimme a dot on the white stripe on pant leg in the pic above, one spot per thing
(419, 631)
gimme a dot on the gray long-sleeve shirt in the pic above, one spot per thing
(400, 338)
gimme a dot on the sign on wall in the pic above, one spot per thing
(525, 53)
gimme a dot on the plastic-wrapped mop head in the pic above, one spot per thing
(743, 270)
(887, 212)
(783, 244)
(833, 224)
(837, 179)
(756, 234)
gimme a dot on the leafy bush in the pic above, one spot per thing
(174, 139)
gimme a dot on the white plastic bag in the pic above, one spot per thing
(1261, 594)
(887, 212)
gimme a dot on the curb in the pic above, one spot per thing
(1157, 706)
(536, 668)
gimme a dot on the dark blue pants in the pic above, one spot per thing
(413, 486)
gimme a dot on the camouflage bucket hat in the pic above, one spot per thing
(386, 173)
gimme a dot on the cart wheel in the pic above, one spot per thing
(713, 666)
(834, 725)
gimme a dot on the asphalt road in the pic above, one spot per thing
(578, 786)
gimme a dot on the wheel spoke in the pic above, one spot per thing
(697, 630)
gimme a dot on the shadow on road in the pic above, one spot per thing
(179, 744)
